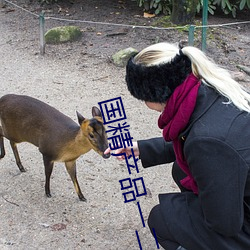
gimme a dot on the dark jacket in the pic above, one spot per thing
(216, 145)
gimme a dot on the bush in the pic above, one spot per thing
(232, 6)
(156, 6)
(165, 6)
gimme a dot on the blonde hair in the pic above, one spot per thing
(202, 67)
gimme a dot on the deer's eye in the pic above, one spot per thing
(91, 136)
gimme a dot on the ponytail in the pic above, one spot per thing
(202, 67)
(218, 78)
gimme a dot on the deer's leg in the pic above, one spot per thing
(48, 165)
(1, 144)
(18, 161)
(71, 168)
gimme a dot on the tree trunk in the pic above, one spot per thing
(183, 11)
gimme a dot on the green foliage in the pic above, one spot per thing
(244, 4)
(211, 7)
(157, 6)
(165, 6)
(226, 6)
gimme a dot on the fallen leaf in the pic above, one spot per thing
(58, 227)
(147, 15)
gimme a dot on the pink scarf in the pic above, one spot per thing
(175, 118)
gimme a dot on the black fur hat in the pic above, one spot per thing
(156, 83)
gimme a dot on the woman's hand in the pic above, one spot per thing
(120, 151)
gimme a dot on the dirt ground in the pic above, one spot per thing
(76, 76)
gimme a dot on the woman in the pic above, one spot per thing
(205, 118)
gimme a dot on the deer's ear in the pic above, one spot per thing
(80, 118)
(96, 111)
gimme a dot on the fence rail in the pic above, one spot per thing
(191, 28)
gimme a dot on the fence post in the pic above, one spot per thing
(204, 24)
(42, 31)
(191, 35)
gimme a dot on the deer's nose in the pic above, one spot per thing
(106, 156)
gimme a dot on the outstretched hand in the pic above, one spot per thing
(126, 150)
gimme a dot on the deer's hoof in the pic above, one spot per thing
(82, 198)
(48, 195)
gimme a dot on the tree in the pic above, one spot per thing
(183, 11)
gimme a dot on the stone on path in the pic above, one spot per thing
(62, 34)
(121, 58)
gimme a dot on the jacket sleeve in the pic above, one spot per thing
(155, 151)
(220, 173)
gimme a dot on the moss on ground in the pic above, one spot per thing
(63, 34)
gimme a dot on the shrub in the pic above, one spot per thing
(157, 6)
(165, 6)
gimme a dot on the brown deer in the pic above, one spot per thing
(59, 138)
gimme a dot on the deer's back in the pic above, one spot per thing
(24, 118)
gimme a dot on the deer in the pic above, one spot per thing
(58, 138)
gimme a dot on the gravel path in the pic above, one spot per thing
(72, 77)
(69, 79)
